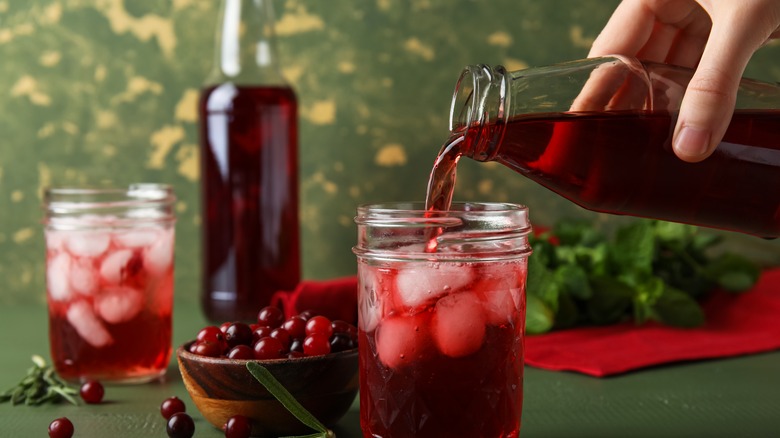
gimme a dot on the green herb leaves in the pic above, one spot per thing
(288, 401)
(40, 385)
(651, 270)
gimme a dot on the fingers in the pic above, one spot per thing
(626, 32)
(708, 104)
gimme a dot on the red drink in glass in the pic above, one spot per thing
(250, 198)
(110, 295)
(441, 334)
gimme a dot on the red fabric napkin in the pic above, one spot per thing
(736, 325)
(335, 299)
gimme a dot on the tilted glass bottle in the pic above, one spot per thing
(249, 160)
(598, 132)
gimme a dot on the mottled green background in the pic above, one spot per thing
(100, 91)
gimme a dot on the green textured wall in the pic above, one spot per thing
(100, 91)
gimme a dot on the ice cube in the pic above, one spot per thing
(87, 325)
(459, 324)
(57, 277)
(369, 305)
(401, 340)
(500, 307)
(115, 266)
(420, 285)
(137, 238)
(55, 240)
(83, 277)
(87, 243)
(158, 256)
(119, 304)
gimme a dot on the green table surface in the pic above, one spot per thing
(737, 397)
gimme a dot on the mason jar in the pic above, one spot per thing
(109, 277)
(441, 306)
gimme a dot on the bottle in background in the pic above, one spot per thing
(249, 159)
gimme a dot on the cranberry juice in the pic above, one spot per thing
(623, 163)
(441, 351)
(249, 165)
(110, 297)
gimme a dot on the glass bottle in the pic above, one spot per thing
(249, 159)
(598, 132)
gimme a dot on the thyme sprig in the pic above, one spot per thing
(40, 385)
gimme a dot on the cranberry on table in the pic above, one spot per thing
(180, 425)
(270, 316)
(241, 352)
(296, 327)
(170, 406)
(319, 325)
(238, 333)
(269, 348)
(316, 345)
(238, 426)
(92, 392)
(61, 428)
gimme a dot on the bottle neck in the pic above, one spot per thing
(246, 45)
(479, 110)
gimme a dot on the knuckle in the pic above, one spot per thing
(713, 83)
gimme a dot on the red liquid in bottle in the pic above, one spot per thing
(623, 163)
(250, 198)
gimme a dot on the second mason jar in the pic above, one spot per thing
(441, 330)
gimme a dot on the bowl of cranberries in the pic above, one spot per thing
(314, 358)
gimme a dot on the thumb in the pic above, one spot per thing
(708, 104)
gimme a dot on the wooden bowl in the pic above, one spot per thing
(325, 385)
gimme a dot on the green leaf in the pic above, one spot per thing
(611, 299)
(538, 317)
(678, 309)
(573, 280)
(576, 232)
(285, 398)
(634, 247)
(542, 284)
(646, 295)
(674, 232)
(733, 273)
(568, 314)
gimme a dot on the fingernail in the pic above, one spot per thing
(692, 142)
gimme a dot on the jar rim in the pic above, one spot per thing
(96, 198)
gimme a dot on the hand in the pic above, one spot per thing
(715, 37)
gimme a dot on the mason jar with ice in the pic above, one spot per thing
(109, 276)
(441, 318)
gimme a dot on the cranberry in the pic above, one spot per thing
(307, 315)
(61, 428)
(241, 352)
(270, 317)
(223, 327)
(238, 426)
(295, 354)
(92, 392)
(269, 348)
(283, 336)
(341, 342)
(254, 326)
(238, 333)
(319, 325)
(297, 345)
(170, 406)
(340, 326)
(210, 334)
(296, 327)
(260, 333)
(316, 344)
(209, 349)
(180, 425)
